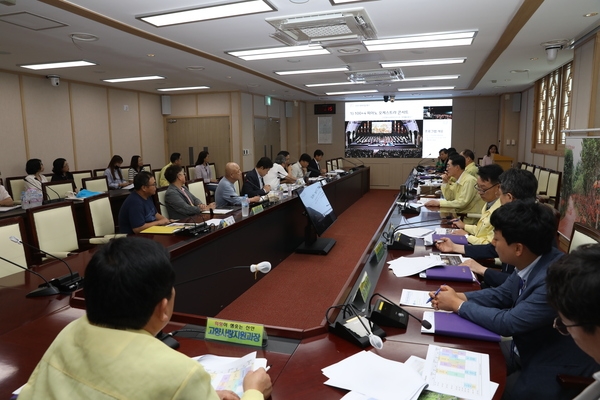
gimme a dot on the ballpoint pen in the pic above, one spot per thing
(435, 294)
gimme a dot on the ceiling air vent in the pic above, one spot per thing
(340, 25)
(376, 76)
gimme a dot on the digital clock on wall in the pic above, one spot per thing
(324, 108)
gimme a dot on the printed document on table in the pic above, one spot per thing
(407, 266)
(461, 373)
(415, 298)
(375, 377)
(415, 232)
(218, 211)
(227, 373)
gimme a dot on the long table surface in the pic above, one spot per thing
(28, 327)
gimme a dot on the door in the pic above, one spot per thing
(189, 136)
(267, 139)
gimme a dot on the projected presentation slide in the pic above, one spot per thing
(399, 129)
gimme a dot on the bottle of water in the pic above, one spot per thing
(245, 206)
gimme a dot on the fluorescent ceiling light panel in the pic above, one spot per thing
(431, 78)
(134, 79)
(345, 1)
(422, 41)
(206, 13)
(279, 52)
(333, 84)
(312, 71)
(54, 65)
(353, 92)
(422, 63)
(183, 88)
(415, 89)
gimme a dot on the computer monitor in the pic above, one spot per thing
(320, 215)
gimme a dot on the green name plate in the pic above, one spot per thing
(234, 332)
(364, 287)
(379, 251)
(257, 210)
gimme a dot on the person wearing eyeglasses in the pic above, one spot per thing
(523, 234)
(138, 211)
(515, 184)
(487, 187)
(460, 195)
(573, 286)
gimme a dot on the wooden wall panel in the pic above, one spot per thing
(124, 124)
(12, 133)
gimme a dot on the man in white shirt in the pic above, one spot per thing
(5, 199)
(278, 173)
(298, 170)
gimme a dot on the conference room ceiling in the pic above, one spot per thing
(505, 56)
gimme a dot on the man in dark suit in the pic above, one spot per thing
(253, 182)
(180, 202)
(314, 166)
(523, 234)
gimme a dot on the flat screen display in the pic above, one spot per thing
(317, 206)
(400, 129)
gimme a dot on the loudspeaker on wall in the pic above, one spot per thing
(165, 105)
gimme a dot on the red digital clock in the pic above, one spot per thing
(324, 109)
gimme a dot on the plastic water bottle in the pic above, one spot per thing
(245, 206)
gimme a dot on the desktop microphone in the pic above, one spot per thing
(263, 267)
(387, 313)
(343, 330)
(45, 289)
(66, 283)
(362, 164)
(55, 192)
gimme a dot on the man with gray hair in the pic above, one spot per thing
(278, 173)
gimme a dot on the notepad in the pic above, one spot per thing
(457, 273)
(451, 324)
(162, 230)
(457, 239)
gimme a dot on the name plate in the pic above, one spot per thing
(226, 222)
(379, 251)
(234, 332)
(257, 209)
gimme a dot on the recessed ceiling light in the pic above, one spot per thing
(206, 13)
(445, 39)
(592, 14)
(313, 71)
(431, 78)
(298, 1)
(150, 55)
(134, 79)
(426, 88)
(333, 84)
(350, 92)
(279, 52)
(533, 59)
(421, 63)
(519, 71)
(253, 85)
(83, 37)
(334, 2)
(195, 68)
(182, 88)
(62, 64)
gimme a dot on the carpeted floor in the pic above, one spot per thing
(297, 293)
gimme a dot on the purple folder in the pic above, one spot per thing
(460, 273)
(458, 239)
(451, 324)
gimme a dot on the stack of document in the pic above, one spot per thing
(368, 375)
(407, 266)
(446, 371)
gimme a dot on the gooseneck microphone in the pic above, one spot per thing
(45, 289)
(66, 283)
(374, 340)
(264, 267)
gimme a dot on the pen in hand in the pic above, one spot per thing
(435, 294)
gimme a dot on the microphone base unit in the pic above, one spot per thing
(361, 341)
(67, 283)
(43, 290)
(388, 314)
(194, 230)
(407, 209)
(402, 242)
(168, 340)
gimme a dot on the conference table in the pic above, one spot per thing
(296, 356)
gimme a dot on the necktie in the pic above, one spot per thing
(521, 285)
(262, 183)
(187, 197)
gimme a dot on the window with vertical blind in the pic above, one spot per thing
(553, 110)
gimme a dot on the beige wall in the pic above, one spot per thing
(85, 124)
